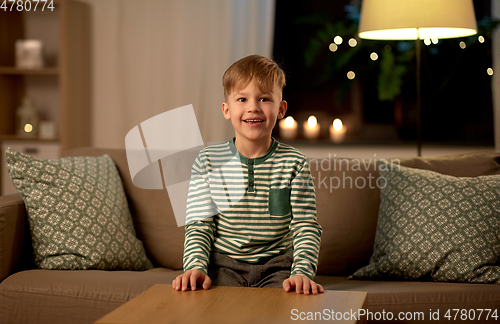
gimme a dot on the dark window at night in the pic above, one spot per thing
(379, 104)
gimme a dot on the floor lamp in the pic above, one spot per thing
(416, 20)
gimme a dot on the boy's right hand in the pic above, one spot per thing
(192, 278)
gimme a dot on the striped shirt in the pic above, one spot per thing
(251, 209)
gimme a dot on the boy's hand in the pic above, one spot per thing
(302, 283)
(191, 277)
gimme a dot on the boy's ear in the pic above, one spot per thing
(282, 109)
(225, 111)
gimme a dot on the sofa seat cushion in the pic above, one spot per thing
(413, 296)
(72, 296)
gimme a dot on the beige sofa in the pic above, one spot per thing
(348, 216)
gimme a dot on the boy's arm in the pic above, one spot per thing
(200, 226)
(304, 226)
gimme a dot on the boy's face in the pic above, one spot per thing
(253, 113)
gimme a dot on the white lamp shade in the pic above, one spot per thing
(416, 19)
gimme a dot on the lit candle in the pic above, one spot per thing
(337, 131)
(311, 128)
(288, 128)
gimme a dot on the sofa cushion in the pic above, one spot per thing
(78, 213)
(79, 296)
(151, 211)
(417, 298)
(436, 226)
(348, 212)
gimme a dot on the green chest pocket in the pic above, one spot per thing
(279, 201)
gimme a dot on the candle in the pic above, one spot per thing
(288, 128)
(337, 131)
(311, 128)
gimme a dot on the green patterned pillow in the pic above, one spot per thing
(78, 213)
(437, 227)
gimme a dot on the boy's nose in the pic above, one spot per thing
(253, 105)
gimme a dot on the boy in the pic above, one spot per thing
(269, 237)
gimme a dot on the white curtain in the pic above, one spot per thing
(155, 55)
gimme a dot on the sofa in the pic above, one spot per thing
(348, 214)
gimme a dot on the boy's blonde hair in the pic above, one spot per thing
(265, 72)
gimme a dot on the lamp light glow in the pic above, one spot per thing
(416, 19)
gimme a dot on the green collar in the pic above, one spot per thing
(257, 160)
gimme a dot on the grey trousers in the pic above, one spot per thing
(267, 273)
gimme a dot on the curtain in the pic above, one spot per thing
(156, 55)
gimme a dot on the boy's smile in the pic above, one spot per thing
(253, 114)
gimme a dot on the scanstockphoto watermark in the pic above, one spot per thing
(334, 173)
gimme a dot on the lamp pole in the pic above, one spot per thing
(419, 101)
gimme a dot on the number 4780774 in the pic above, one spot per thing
(22, 5)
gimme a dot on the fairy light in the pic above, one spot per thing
(462, 45)
(374, 56)
(338, 40)
(351, 75)
(333, 47)
(353, 42)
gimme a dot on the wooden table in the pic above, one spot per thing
(162, 304)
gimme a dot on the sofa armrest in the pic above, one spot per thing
(13, 239)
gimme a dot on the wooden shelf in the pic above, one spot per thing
(9, 137)
(17, 71)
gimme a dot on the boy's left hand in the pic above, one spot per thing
(302, 284)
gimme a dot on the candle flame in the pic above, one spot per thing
(312, 121)
(337, 124)
(28, 128)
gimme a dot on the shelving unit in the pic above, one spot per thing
(61, 90)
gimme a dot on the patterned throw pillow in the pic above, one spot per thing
(77, 212)
(436, 227)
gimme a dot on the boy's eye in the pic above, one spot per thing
(264, 99)
(241, 99)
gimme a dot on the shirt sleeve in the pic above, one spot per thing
(200, 228)
(304, 225)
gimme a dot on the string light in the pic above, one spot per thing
(374, 56)
(353, 42)
(480, 39)
(338, 40)
(490, 71)
(333, 47)
(462, 45)
(427, 41)
(351, 75)
(435, 40)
